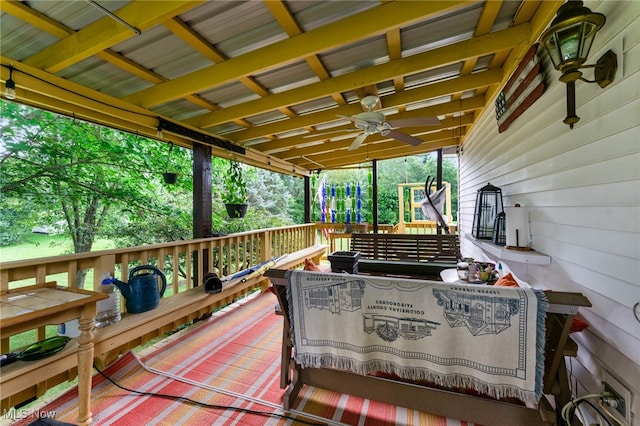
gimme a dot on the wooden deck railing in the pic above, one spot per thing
(338, 238)
(182, 262)
(421, 227)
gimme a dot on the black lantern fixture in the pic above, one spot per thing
(499, 230)
(488, 206)
(10, 86)
(568, 41)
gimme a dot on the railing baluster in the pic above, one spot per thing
(254, 244)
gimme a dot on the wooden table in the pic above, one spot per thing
(28, 308)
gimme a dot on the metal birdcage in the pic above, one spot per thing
(488, 206)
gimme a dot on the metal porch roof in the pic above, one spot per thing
(268, 78)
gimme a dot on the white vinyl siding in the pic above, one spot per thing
(582, 188)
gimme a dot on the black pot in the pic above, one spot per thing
(170, 178)
(236, 210)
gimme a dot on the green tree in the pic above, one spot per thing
(392, 172)
(414, 169)
(269, 196)
(78, 172)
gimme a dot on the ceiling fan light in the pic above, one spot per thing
(370, 102)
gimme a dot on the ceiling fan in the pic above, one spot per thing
(374, 122)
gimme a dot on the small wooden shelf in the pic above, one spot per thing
(532, 257)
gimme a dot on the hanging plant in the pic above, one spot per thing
(235, 195)
(169, 177)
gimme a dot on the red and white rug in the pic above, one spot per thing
(232, 363)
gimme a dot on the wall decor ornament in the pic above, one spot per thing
(524, 87)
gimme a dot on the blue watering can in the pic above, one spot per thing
(141, 293)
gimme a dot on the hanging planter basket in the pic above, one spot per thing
(170, 178)
(236, 211)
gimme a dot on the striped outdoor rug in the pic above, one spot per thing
(230, 360)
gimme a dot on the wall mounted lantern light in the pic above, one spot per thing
(568, 41)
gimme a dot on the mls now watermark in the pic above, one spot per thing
(20, 414)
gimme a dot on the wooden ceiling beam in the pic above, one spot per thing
(427, 134)
(104, 33)
(435, 90)
(37, 19)
(49, 92)
(33, 17)
(340, 33)
(384, 152)
(436, 110)
(453, 53)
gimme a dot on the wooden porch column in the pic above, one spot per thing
(439, 229)
(307, 199)
(202, 226)
(374, 194)
(201, 191)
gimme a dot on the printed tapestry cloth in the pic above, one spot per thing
(487, 338)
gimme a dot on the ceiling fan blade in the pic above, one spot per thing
(355, 120)
(358, 141)
(414, 122)
(314, 135)
(403, 137)
(346, 117)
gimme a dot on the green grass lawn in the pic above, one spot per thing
(36, 246)
(40, 245)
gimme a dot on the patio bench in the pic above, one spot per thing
(24, 381)
(417, 255)
(421, 396)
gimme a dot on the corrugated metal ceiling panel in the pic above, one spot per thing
(482, 63)
(225, 129)
(315, 14)
(356, 56)
(440, 31)
(158, 49)
(241, 27)
(288, 77)
(432, 76)
(230, 94)
(315, 105)
(180, 109)
(507, 13)
(74, 14)
(19, 41)
(103, 76)
(236, 28)
(266, 118)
